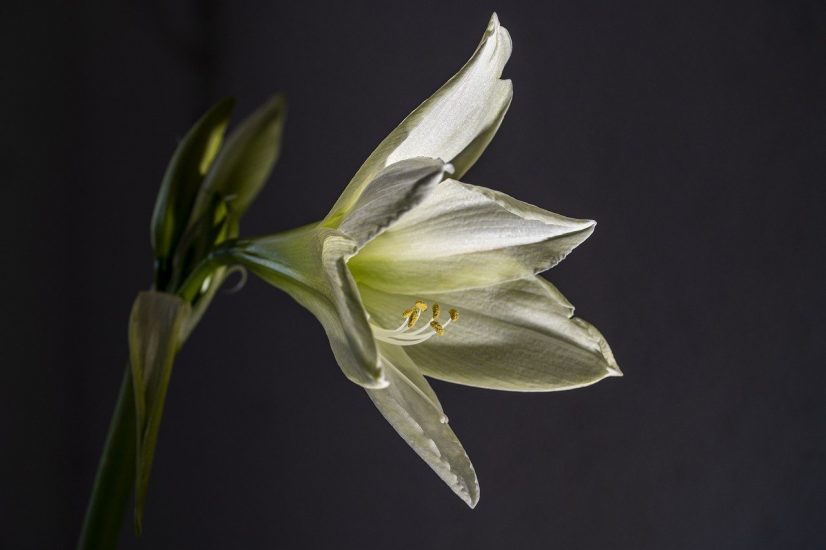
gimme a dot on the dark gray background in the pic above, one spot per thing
(693, 132)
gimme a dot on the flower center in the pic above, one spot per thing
(407, 334)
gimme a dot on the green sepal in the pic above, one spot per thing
(155, 332)
(186, 171)
(245, 161)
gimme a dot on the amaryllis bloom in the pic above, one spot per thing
(413, 275)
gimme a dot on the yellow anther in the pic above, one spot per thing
(413, 318)
(454, 315)
(437, 327)
(436, 311)
(408, 312)
(421, 306)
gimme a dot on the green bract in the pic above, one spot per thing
(155, 331)
(403, 238)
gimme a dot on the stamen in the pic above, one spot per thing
(407, 334)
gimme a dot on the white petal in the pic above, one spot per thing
(463, 236)
(310, 264)
(402, 362)
(424, 428)
(455, 124)
(350, 335)
(393, 192)
(518, 336)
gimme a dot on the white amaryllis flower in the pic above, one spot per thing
(411, 274)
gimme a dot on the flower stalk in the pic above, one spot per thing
(115, 475)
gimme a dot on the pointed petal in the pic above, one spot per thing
(393, 192)
(454, 124)
(520, 336)
(310, 264)
(463, 236)
(424, 427)
(411, 373)
(350, 335)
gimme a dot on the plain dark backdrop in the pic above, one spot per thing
(693, 132)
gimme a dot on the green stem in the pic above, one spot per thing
(115, 476)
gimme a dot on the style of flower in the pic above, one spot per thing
(413, 274)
